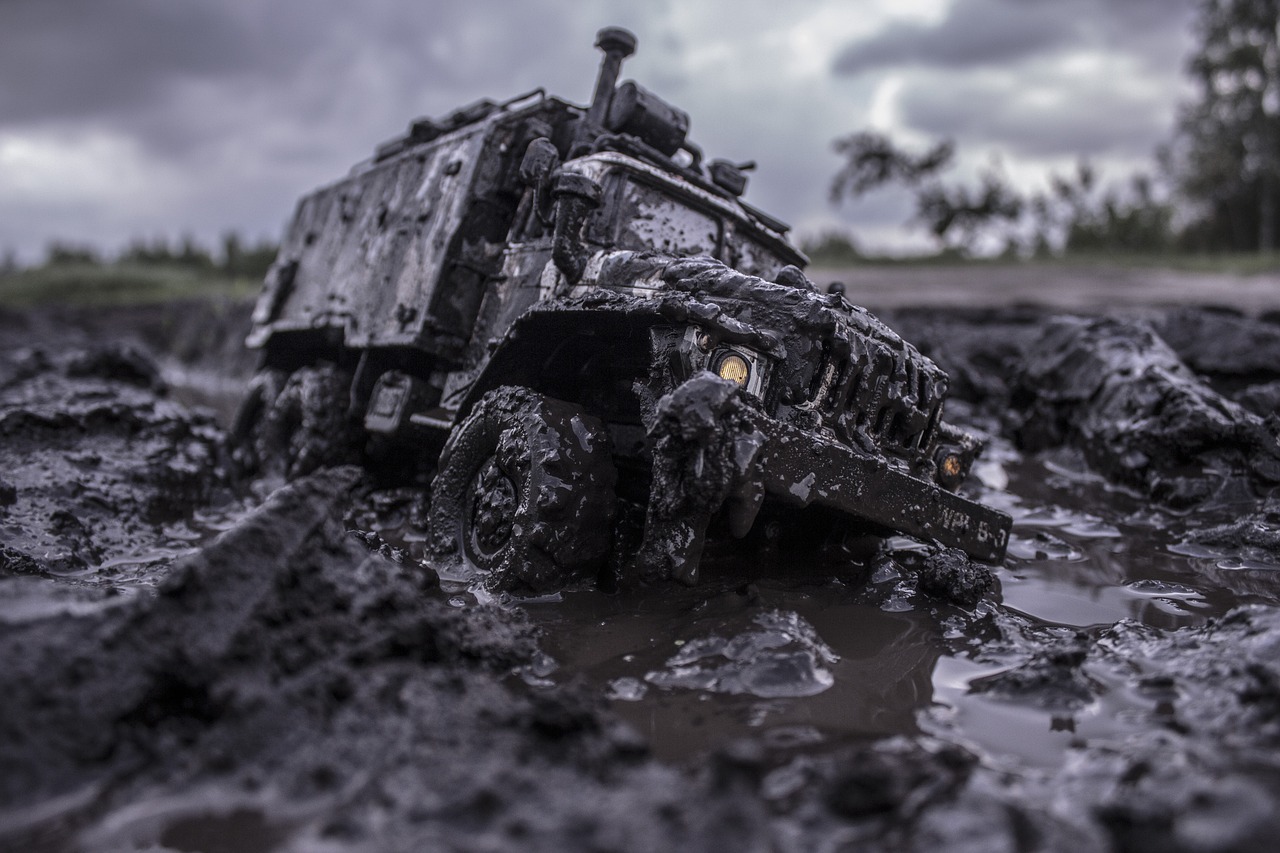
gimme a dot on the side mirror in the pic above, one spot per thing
(540, 161)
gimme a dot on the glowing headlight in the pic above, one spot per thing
(734, 368)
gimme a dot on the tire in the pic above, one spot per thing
(293, 424)
(524, 493)
(246, 429)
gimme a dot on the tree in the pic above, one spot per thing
(1227, 156)
(832, 249)
(141, 252)
(191, 254)
(232, 253)
(256, 260)
(958, 215)
(1079, 214)
(1076, 213)
(872, 160)
(59, 253)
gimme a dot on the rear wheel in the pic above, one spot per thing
(525, 492)
(246, 429)
(293, 423)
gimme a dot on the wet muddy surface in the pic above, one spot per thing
(192, 662)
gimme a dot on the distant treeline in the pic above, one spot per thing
(234, 258)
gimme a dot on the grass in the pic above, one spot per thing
(130, 284)
(1242, 263)
(1252, 263)
(118, 284)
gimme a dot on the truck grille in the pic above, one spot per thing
(889, 394)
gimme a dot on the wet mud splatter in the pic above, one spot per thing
(197, 663)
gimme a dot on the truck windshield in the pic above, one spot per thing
(748, 255)
(651, 220)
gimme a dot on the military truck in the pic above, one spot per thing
(608, 355)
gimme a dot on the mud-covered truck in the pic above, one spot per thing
(609, 357)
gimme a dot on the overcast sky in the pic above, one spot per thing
(142, 118)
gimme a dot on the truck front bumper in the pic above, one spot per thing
(713, 451)
(800, 469)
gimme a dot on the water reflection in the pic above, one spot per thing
(790, 664)
(1085, 553)
(1028, 731)
(782, 658)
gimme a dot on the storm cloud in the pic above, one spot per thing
(977, 34)
(83, 59)
(128, 118)
(1035, 79)
(1033, 117)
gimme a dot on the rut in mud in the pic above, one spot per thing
(193, 661)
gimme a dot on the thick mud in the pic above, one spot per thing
(193, 663)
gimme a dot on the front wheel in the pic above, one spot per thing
(524, 492)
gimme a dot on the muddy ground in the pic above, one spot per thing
(196, 663)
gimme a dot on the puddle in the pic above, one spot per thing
(794, 664)
(791, 663)
(1018, 735)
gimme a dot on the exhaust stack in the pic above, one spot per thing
(617, 45)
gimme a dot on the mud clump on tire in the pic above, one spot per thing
(291, 424)
(704, 445)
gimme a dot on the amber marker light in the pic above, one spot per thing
(951, 465)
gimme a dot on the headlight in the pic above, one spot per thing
(735, 368)
(703, 349)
